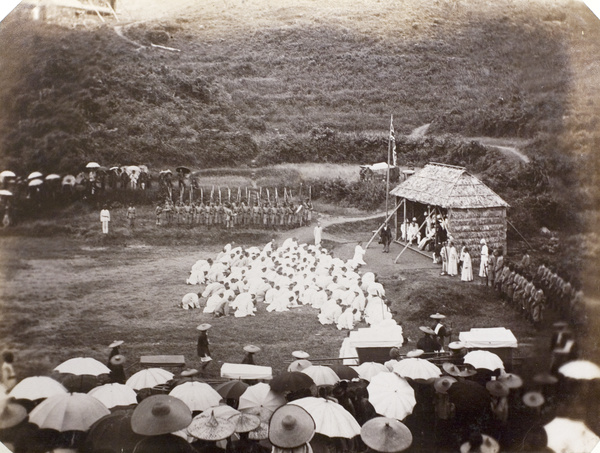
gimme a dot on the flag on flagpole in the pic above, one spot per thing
(393, 141)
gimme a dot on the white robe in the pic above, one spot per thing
(318, 232)
(466, 274)
(484, 260)
(346, 320)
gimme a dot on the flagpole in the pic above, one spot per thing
(387, 191)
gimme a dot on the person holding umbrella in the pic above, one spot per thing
(202, 346)
(291, 428)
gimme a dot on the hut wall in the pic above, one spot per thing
(469, 226)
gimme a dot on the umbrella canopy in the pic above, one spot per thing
(322, 375)
(299, 365)
(198, 396)
(35, 175)
(391, 395)
(133, 169)
(260, 400)
(331, 419)
(6, 193)
(570, 436)
(52, 177)
(79, 383)
(148, 378)
(291, 381)
(182, 169)
(231, 389)
(469, 396)
(92, 165)
(580, 369)
(344, 372)
(7, 174)
(416, 368)
(484, 359)
(37, 387)
(112, 433)
(83, 365)
(112, 395)
(35, 182)
(386, 435)
(221, 411)
(68, 412)
(367, 370)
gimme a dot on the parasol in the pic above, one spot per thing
(7, 174)
(415, 368)
(291, 381)
(386, 435)
(198, 396)
(82, 383)
(570, 436)
(37, 387)
(484, 359)
(112, 433)
(35, 182)
(92, 165)
(469, 397)
(367, 370)
(321, 375)
(182, 169)
(68, 412)
(6, 193)
(344, 372)
(391, 395)
(112, 395)
(299, 365)
(148, 378)
(69, 180)
(35, 175)
(580, 369)
(221, 411)
(83, 365)
(231, 389)
(260, 400)
(52, 177)
(331, 419)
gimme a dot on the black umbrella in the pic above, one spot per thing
(469, 396)
(344, 371)
(291, 381)
(231, 389)
(113, 433)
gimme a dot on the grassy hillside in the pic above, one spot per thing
(302, 81)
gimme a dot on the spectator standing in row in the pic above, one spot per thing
(386, 237)
(484, 259)
(131, 216)
(104, 219)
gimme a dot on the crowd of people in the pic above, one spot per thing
(288, 276)
(235, 214)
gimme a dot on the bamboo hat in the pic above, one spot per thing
(204, 327)
(301, 354)
(442, 384)
(511, 380)
(386, 435)
(415, 353)
(116, 343)
(427, 330)
(438, 316)
(489, 445)
(457, 345)
(11, 414)
(497, 388)
(533, 399)
(451, 369)
(291, 426)
(118, 359)
(251, 348)
(545, 378)
(211, 428)
(160, 414)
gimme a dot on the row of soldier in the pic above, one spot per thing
(561, 295)
(235, 214)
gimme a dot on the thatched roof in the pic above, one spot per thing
(448, 186)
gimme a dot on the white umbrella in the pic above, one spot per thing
(52, 177)
(148, 378)
(112, 395)
(35, 175)
(220, 411)
(35, 182)
(83, 365)
(391, 396)
(132, 169)
(570, 436)
(367, 370)
(37, 387)
(331, 419)
(92, 165)
(322, 375)
(198, 396)
(68, 412)
(260, 400)
(6, 193)
(484, 359)
(7, 174)
(580, 369)
(416, 368)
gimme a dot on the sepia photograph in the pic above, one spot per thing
(299, 226)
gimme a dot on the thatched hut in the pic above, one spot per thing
(473, 210)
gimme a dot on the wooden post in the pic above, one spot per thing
(381, 226)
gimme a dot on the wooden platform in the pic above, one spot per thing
(162, 361)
